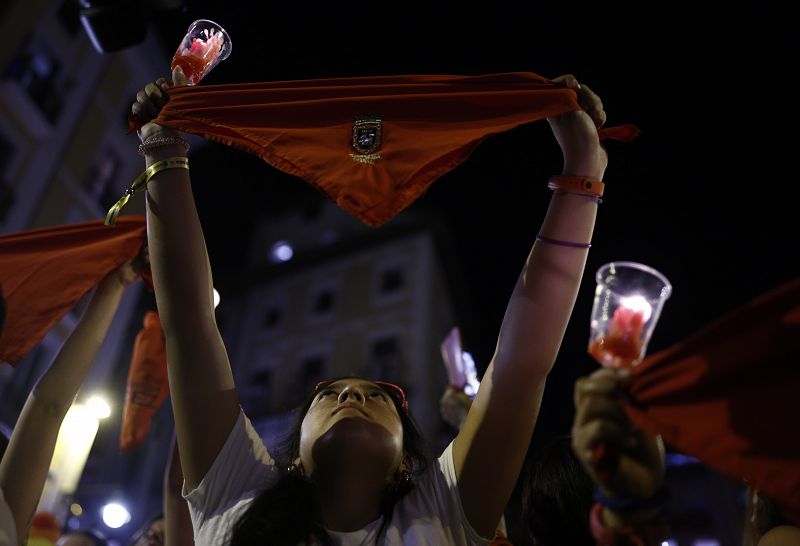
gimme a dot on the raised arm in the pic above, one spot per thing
(204, 399)
(24, 467)
(490, 449)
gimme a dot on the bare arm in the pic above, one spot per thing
(23, 470)
(177, 522)
(490, 449)
(204, 398)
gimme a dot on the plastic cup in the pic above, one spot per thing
(627, 304)
(202, 48)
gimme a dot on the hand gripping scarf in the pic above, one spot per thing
(373, 145)
(730, 396)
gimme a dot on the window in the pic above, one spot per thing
(309, 373)
(385, 359)
(324, 302)
(258, 398)
(272, 318)
(323, 299)
(393, 280)
(38, 72)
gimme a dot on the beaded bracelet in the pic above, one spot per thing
(159, 142)
(140, 183)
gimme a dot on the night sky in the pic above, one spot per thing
(707, 194)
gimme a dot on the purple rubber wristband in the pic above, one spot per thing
(562, 243)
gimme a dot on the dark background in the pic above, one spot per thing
(707, 194)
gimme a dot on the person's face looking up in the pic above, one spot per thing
(354, 419)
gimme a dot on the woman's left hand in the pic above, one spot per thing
(576, 132)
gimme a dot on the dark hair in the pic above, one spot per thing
(557, 497)
(144, 528)
(96, 536)
(288, 513)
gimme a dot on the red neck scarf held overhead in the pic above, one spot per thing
(373, 145)
(730, 396)
(45, 272)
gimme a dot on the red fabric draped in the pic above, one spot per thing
(45, 272)
(730, 396)
(148, 384)
(429, 125)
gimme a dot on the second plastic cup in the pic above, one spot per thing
(205, 44)
(627, 303)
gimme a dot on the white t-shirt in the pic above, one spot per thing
(431, 515)
(8, 529)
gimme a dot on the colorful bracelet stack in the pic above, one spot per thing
(579, 185)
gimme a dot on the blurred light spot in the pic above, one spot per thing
(281, 252)
(98, 407)
(115, 515)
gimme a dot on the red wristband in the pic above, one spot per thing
(576, 184)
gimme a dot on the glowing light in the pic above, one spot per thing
(75, 509)
(115, 515)
(471, 373)
(639, 304)
(216, 298)
(281, 252)
(98, 407)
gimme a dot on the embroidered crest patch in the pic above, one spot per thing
(367, 133)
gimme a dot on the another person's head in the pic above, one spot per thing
(557, 497)
(343, 421)
(150, 534)
(83, 537)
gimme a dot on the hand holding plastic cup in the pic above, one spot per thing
(202, 48)
(627, 303)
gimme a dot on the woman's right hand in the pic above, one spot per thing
(150, 101)
(600, 419)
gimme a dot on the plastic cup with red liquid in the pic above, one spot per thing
(202, 48)
(627, 303)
